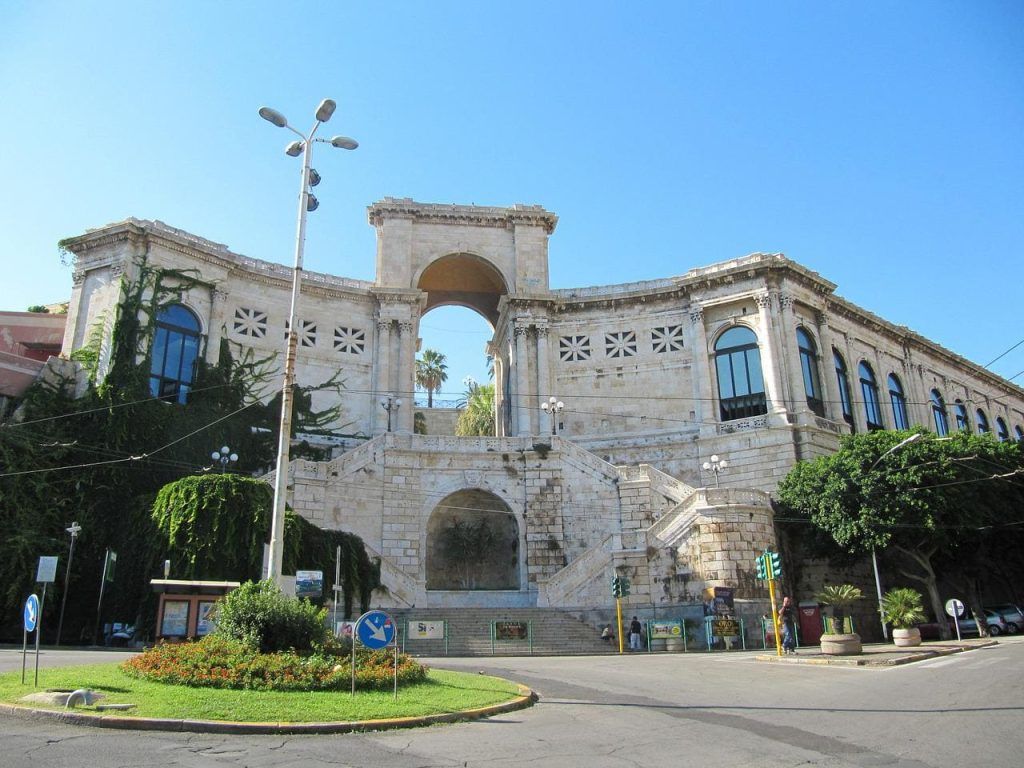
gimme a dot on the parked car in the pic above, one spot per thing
(1012, 614)
(968, 626)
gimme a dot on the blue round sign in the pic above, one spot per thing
(375, 629)
(31, 613)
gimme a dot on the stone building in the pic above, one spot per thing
(755, 359)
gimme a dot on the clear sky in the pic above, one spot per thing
(879, 144)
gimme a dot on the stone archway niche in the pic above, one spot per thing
(464, 280)
(472, 543)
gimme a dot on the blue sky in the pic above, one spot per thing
(878, 144)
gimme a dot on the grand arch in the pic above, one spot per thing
(472, 543)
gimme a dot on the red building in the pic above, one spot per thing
(27, 340)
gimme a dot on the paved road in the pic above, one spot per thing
(711, 711)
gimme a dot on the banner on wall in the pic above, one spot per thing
(426, 630)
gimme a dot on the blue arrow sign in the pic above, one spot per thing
(31, 613)
(375, 629)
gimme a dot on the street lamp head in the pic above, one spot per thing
(273, 116)
(225, 450)
(233, 457)
(398, 402)
(325, 110)
(714, 458)
(344, 142)
(723, 464)
(294, 149)
(312, 203)
(314, 177)
(707, 466)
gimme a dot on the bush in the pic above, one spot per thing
(903, 607)
(259, 615)
(220, 662)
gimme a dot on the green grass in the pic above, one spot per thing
(442, 692)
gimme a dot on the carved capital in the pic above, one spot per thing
(785, 302)
(77, 278)
(521, 329)
(697, 316)
(821, 318)
(384, 326)
(405, 326)
(541, 330)
(764, 300)
(117, 270)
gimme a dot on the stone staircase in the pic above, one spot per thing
(554, 632)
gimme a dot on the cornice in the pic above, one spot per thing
(470, 215)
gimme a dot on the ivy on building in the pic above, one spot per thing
(101, 457)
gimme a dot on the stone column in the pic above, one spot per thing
(860, 414)
(521, 402)
(769, 358)
(406, 387)
(216, 326)
(700, 371)
(826, 360)
(884, 401)
(545, 386)
(794, 374)
(382, 387)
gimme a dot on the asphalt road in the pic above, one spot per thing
(711, 711)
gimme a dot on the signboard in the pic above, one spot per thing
(511, 630)
(31, 613)
(108, 566)
(664, 629)
(426, 630)
(718, 601)
(725, 628)
(47, 571)
(175, 623)
(309, 583)
(344, 628)
(205, 623)
(375, 629)
(954, 608)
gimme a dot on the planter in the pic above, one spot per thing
(841, 645)
(906, 638)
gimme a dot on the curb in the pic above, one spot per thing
(526, 698)
(866, 661)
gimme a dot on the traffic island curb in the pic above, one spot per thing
(526, 698)
(881, 658)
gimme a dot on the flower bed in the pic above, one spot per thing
(217, 662)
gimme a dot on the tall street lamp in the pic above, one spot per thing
(225, 457)
(716, 465)
(874, 556)
(390, 404)
(553, 407)
(307, 202)
(74, 530)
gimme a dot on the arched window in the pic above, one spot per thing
(1019, 432)
(740, 381)
(844, 389)
(963, 424)
(175, 350)
(899, 403)
(809, 366)
(939, 414)
(982, 422)
(869, 390)
(1001, 431)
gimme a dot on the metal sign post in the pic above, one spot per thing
(955, 608)
(109, 561)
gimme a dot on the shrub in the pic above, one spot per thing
(220, 662)
(903, 607)
(259, 615)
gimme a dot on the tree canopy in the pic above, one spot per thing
(938, 507)
(477, 418)
(431, 373)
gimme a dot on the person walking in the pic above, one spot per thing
(634, 634)
(787, 619)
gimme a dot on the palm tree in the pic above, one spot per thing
(431, 373)
(477, 418)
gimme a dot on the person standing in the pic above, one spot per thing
(634, 634)
(787, 619)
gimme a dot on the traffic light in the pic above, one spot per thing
(624, 586)
(761, 573)
(616, 586)
(776, 563)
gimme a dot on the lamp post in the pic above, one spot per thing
(74, 530)
(390, 404)
(553, 407)
(716, 465)
(225, 457)
(874, 556)
(307, 202)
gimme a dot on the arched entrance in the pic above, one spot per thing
(472, 543)
(465, 280)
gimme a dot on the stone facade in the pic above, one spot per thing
(642, 368)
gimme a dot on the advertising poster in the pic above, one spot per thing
(175, 623)
(725, 628)
(309, 584)
(344, 628)
(426, 630)
(511, 630)
(665, 628)
(205, 624)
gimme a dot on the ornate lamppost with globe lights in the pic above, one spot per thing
(716, 465)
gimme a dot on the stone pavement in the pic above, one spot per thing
(881, 654)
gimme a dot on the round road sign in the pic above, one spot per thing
(375, 629)
(954, 608)
(31, 613)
